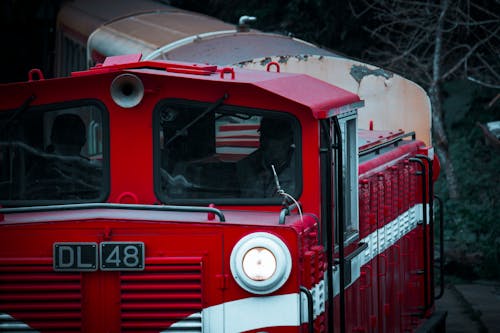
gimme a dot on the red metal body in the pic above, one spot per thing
(188, 280)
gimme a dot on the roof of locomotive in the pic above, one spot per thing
(323, 99)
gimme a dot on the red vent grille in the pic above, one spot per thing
(167, 292)
(34, 297)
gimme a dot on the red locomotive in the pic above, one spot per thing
(147, 195)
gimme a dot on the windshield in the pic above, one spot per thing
(52, 154)
(225, 153)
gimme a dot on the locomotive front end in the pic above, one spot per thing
(163, 197)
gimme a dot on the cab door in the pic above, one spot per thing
(351, 293)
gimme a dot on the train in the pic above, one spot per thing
(182, 174)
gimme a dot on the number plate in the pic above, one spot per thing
(75, 257)
(122, 256)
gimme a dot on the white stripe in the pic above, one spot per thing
(383, 238)
(190, 324)
(247, 314)
(378, 241)
(253, 313)
(10, 324)
(318, 293)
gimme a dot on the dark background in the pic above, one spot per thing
(27, 37)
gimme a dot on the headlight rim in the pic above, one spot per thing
(283, 262)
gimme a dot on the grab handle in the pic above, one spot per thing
(441, 247)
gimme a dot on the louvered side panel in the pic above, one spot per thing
(35, 298)
(167, 292)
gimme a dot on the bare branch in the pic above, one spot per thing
(488, 66)
(489, 85)
(466, 56)
(485, 11)
(363, 12)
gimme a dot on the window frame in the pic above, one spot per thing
(349, 178)
(227, 108)
(61, 106)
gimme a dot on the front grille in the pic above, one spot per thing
(168, 292)
(35, 298)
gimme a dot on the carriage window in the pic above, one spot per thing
(52, 155)
(225, 153)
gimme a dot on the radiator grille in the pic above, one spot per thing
(167, 292)
(35, 298)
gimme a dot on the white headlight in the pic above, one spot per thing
(261, 263)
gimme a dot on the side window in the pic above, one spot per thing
(348, 176)
(52, 154)
(225, 153)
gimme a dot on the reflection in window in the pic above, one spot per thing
(51, 155)
(225, 153)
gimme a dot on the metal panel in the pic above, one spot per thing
(35, 298)
(165, 293)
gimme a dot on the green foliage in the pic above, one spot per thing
(473, 221)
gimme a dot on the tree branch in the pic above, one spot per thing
(489, 85)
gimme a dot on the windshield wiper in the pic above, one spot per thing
(289, 202)
(17, 112)
(210, 109)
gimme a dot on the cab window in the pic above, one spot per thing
(226, 154)
(348, 175)
(53, 154)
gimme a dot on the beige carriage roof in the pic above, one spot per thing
(391, 101)
(81, 18)
(147, 32)
(231, 47)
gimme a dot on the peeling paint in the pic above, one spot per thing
(358, 72)
(385, 93)
(302, 57)
(283, 59)
(265, 61)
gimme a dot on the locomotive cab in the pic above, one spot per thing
(206, 199)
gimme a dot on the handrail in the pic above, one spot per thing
(285, 211)
(387, 143)
(424, 230)
(431, 223)
(310, 310)
(328, 215)
(166, 208)
(341, 219)
(441, 247)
